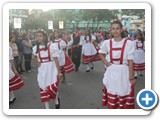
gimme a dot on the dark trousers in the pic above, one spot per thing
(16, 62)
(69, 53)
(20, 61)
(27, 58)
(76, 56)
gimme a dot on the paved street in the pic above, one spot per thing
(81, 91)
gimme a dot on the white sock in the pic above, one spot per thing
(135, 74)
(46, 105)
(56, 101)
(140, 72)
(88, 68)
(11, 95)
(91, 64)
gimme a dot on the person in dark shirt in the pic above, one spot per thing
(76, 48)
(20, 49)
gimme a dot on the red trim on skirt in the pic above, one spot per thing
(139, 67)
(87, 59)
(115, 101)
(50, 93)
(97, 58)
(91, 58)
(15, 83)
(68, 67)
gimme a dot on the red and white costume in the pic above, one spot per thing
(139, 56)
(47, 71)
(89, 52)
(15, 81)
(118, 91)
(64, 61)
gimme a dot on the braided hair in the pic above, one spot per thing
(45, 39)
(87, 29)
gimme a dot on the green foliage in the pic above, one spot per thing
(97, 15)
(40, 20)
(137, 12)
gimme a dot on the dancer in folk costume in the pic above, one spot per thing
(118, 79)
(65, 63)
(76, 48)
(139, 55)
(15, 81)
(46, 56)
(69, 44)
(89, 51)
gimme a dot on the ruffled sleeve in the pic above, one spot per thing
(35, 50)
(82, 41)
(63, 44)
(144, 45)
(93, 38)
(69, 44)
(130, 50)
(103, 48)
(54, 50)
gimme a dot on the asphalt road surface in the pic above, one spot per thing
(80, 91)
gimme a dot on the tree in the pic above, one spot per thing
(137, 12)
(97, 15)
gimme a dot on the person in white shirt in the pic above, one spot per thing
(139, 55)
(15, 81)
(65, 63)
(46, 56)
(117, 55)
(89, 51)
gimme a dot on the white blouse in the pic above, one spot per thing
(83, 41)
(128, 51)
(54, 51)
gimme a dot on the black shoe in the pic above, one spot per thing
(140, 75)
(87, 70)
(135, 77)
(57, 106)
(92, 68)
(76, 69)
(10, 102)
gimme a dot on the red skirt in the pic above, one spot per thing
(139, 67)
(87, 59)
(50, 93)
(68, 67)
(97, 58)
(91, 58)
(115, 101)
(15, 83)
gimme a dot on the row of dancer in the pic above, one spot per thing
(53, 63)
(117, 55)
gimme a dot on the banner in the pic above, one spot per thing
(50, 25)
(61, 24)
(17, 22)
